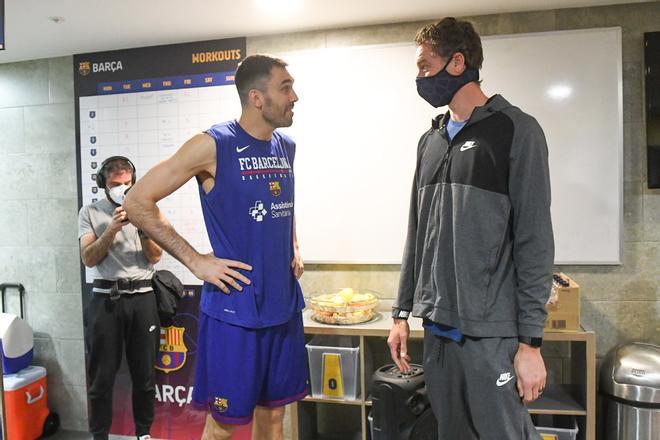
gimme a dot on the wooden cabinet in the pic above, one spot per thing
(321, 418)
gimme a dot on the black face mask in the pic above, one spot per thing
(439, 89)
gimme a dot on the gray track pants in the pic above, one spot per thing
(472, 389)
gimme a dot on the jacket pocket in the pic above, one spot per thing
(494, 264)
(480, 227)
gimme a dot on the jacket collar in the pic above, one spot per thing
(495, 103)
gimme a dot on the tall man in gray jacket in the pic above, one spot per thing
(477, 265)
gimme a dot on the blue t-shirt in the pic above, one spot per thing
(446, 331)
(249, 218)
(453, 127)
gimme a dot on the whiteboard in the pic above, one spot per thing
(359, 117)
(148, 127)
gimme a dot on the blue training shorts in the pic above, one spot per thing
(239, 368)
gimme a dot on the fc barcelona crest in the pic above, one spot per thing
(275, 188)
(221, 404)
(173, 350)
(84, 68)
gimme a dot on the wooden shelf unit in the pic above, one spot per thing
(576, 399)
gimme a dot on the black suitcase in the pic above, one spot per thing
(21, 293)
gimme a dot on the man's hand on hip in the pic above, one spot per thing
(220, 272)
(530, 372)
(398, 343)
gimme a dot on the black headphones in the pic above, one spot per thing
(100, 174)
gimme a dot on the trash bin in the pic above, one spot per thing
(630, 382)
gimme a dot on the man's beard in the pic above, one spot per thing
(275, 119)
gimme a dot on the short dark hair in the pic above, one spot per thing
(449, 36)
(116, 165)
(253, 72)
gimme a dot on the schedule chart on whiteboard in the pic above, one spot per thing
(144, 104)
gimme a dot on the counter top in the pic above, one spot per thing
(382, 323)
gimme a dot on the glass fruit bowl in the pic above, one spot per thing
(344, 307)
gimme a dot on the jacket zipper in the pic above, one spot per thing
(450, 145)
(445, 159)
(443, 173)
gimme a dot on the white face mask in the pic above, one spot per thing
(118, 193)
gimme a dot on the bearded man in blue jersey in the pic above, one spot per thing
(251, 357)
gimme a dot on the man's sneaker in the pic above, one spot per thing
(144, 437)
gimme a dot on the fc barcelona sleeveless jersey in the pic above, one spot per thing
(249, 218)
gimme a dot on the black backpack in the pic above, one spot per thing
(169, 290)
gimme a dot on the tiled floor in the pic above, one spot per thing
(70, 435)
(73, 435)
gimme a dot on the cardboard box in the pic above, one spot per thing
(564, 306)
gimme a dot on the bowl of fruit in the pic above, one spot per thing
(347, 306)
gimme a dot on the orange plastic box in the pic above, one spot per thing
(26, 403)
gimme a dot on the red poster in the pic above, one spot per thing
(176, 417)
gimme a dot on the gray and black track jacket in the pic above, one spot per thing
(480, 250)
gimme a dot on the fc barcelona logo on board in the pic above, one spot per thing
(172, 352)
(84, 68)
(275, 188)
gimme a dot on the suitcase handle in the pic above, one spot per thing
(21, 292)
(30, 399)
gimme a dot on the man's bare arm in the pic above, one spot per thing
(162, 180)
(92, 249)
(195, 157)
(297, 264)
(151, 250)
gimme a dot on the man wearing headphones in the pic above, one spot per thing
(122, 310)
